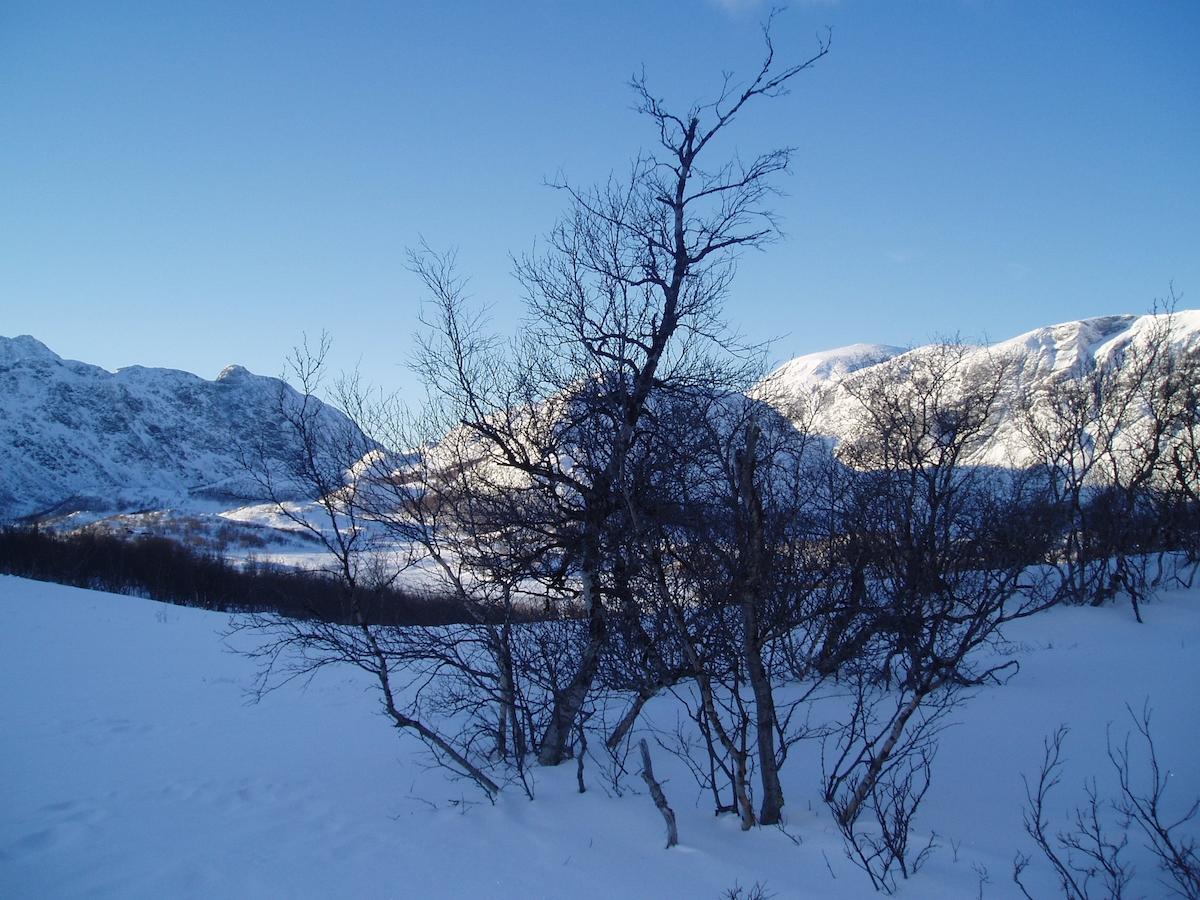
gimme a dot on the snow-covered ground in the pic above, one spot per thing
(132, 767)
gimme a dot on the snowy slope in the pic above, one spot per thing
(1031, 360)
(817, 370)
(133, 769)
(75, 436)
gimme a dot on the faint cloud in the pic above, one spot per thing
(742, 7)
(899, 257)
(1017, 271)
(736, 7)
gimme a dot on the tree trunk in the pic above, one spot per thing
(627, 721)
(850, 812)
(509, 724)
(568, 703)
(752, 564)
(771, 810)
(660, 799)
(737, 755)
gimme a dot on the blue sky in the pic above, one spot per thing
(196, 184)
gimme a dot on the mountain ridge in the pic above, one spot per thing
(75, 436)
(1031, 361)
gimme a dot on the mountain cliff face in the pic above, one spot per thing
(77, 437)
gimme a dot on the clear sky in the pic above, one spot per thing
(195, 184)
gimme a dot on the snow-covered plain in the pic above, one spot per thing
(133, 767)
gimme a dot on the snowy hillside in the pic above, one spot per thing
(134, 769)
(1030, 361)
(77, 437)
(826, 367)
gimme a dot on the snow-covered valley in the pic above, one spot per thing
(133, 767)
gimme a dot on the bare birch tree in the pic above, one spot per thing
(943, 573)
(624, 303)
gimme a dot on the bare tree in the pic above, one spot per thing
(624, 303)
(1079, 857)
(942, 565)
(479, 539)
(656, 792)
(1070, 425)
(329, 454)
(1150, 390)
(1142, 803)
(1183, 479)
(1089, 857)
(708, 587)
(1111, 438)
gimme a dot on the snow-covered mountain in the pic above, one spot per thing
(1029, 361)
(819, 370)
(75, 436)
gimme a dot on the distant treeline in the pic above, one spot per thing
(161, 569)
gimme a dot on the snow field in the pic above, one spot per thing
(132, 767)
